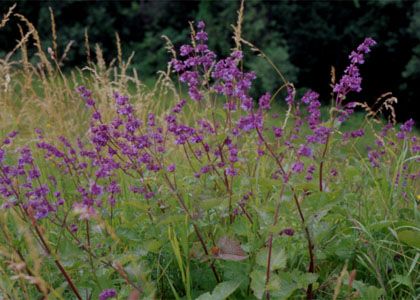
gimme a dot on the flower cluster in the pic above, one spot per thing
(351, 80)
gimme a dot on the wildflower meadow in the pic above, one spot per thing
(193, 187)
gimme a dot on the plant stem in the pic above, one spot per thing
(321, 165)
(58, 264)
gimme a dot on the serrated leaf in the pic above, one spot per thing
(278, 258)
(258, 283)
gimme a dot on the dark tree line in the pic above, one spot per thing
(304, 38)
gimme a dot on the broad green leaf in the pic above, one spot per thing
(153, 245)
(404, 280)
(371, 293)
(222, 290)
(410, 237)
(278, 258)
(258, 278)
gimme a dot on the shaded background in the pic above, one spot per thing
(303, 38)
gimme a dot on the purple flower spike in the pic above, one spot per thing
(351, 80)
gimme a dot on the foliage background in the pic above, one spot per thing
(299, 36)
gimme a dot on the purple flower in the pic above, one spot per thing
(309, 97)
(185, 50)
(304, 151)
(73, 228)
(351, 80)
(366, 45)
(171, 168)
(278, 132)
(96, 189)
(107, 294)
(405, 128)
(231, 171)
(287, 231)
(178, 107)
(151, 120)
(205, 169)
(86, 95)
(113, 188)
(264, 101)
(201, 25)
(309, 172)
(374, 158)
(357, 133)
(298, 167)
(34, 174)
(356, 58)
(290, 97)
(201, 36)
(249, 122)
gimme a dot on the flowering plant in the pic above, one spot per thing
(216, 196)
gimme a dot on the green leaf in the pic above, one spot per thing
(278, 258)
(69, 253)
(410, 237)
(403, 280)
(222, 290)
(153, 245)
(258, 283)
(371, 293)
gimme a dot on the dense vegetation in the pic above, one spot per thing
(200, 186)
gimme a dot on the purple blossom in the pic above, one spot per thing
(107, 294)
(86, 95)
(405, 128)
(264, 101)
(73, 228)
(171, 168)
(248, 122)
(288, 232)
(96, 189)
(231, 171)
(201, 25)
(351, 80)
(290, 97)
(278, 132)
(185, 50)
(298, 167)
(304, 150)
(201, 36)
(309, 172)
(357, 133)
(309, 97)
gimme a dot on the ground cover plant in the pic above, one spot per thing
(194, 189)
